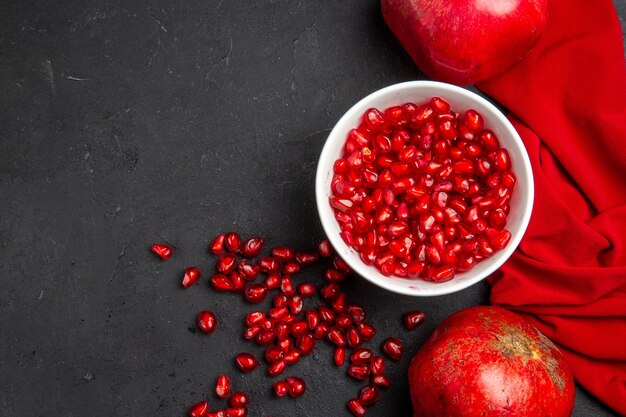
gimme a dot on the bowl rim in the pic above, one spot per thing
(337, 242)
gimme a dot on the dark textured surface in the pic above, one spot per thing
(126, 123)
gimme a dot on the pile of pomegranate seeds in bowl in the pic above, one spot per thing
(421, 191)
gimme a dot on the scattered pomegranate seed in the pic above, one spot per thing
(306, 258)
(359, 372)
(306, 289)
(162, 251)
(207, 322)
(276, 368)
(325, 249)
(340, 356)
(239, 399)
(297, 386)
(217, 246)
(413, 319)
(356, 407)
(380, 381)
(199, 409)
(393, 348)
(252, 247)
(255, 293)
(369, 395)
(232, 242)
(283, 253)
(226, 263)
(222, 388)
(192, 274)
(281, 388)
(221, 282)
(377, 366)
(236, 412)
(246, 362)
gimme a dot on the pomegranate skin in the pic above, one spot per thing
(466, 41)
(489, 362)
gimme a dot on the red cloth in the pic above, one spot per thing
(568, 276)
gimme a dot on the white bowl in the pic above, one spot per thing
(460, 100)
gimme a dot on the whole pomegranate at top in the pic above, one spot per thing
(466, 41)
(490, 362)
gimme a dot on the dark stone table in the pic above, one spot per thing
(126, 123)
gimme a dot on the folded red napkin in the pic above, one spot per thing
(568, 276)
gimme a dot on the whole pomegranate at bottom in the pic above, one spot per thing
(466, 41)
(490, 362)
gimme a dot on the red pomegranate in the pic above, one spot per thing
(489, 362)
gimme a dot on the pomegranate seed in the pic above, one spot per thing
(291, 268)
(255, 293)
(359, 372)
(333, 275)
(297, 386)
(380, 381)
(356, 407)
(199, 409)
(377, 367)
(361, 356)
(218, 413)
(236, 412)
(162, 251)
(357, 313)
(305, 343)
(283, 253)
(306, 289)
(330, 291)
(246, 362)
(286, 285)
(340, 356)
(366, 331)
(252, 247)
(321, 331)
(222, 388)
(325, 249)
(413, 319)
(220, 282)
(207, 322)
(226, 263)
(191, 276)
(238, 283)
(217, 246)
(393, 348)
(265, 337)
(232, 242)
(276, 368)
(251, 332)
(239, 399)
(369, 395)
(269, 265)
(249, 272)
(353, 338)
(312, 319)
(292, 357)
(337, 337)
(273, 354)
(306, 258)
(281, 388)
(273, 281)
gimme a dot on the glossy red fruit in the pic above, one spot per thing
(339, 356)
(217, 246)
(332, 275)
(356, 407)
(236, 412)
(413, 319)
(366, 330)
(325, 249)
(207, 321)
(380, 381)
(239, 399)
(192, 274)
(393, 348)
(487, 38)
(337, 337)
(162, 251)
(252, 247)
(281, 388)
(359, 371)
(232, 242)
(369, 395)
(361, 356)
(283, 253)
(200, 409)
(377, 366)
(306, 289)
(276, 368)
(255, 293)
(297, 386)
(222, 388)
(246, 362)
(306, 258)
(269, 265)
(495, 345)
(221, 282)
(226, 263)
